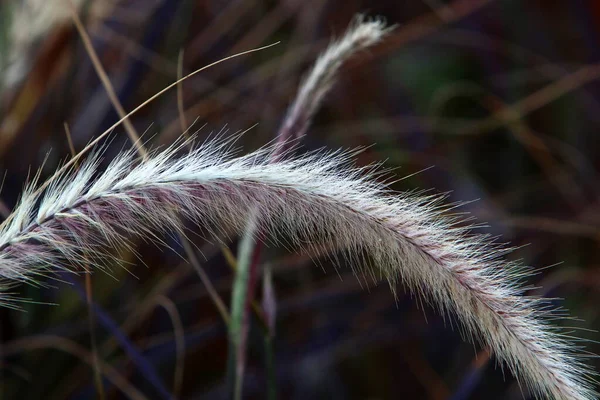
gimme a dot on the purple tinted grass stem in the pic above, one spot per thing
(472, 377)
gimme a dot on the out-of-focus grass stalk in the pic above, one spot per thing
(270, 365)
(178, 333)
(92, 327)
(256, 308)
(269, 306)
(265, 314)
(5, 26)
(108, 87)
(180, 107)
(241, 297)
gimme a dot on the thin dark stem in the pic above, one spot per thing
(93, 340)
(271, 371)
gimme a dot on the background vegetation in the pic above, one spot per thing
(490, 100)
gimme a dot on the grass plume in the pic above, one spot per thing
(360, 35)
(309, 200)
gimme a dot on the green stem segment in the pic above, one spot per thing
(241, 298)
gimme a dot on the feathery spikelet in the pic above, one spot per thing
(308, 200)
(360, 35)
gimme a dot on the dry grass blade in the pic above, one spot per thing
(180, 108)
(110, 90)
(178, 332)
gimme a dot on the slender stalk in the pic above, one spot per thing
(256, 308)
(93, 340)
(110, 90)
(271, 370)
(269, 305)
(180, 107)
(178, 332)
(241, 298)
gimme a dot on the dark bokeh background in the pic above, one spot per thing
(500, 97)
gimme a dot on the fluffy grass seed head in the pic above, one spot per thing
(310, 200)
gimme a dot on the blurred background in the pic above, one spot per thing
(490, 100)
